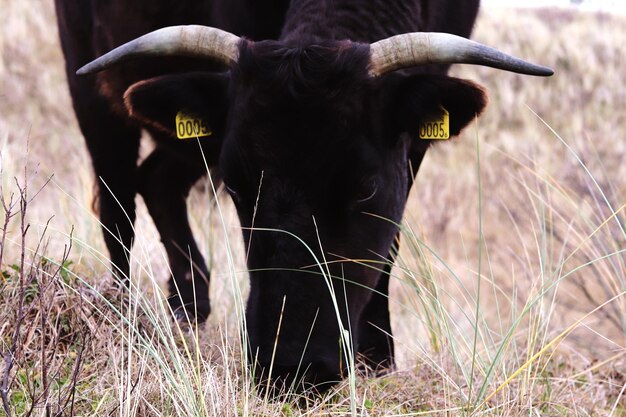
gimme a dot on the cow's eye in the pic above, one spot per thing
(367, 189)
(233, 193)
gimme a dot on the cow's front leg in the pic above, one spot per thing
(376, 347)
(164, 183)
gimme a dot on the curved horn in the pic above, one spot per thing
(188, 41)
(414, 49)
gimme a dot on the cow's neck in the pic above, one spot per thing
(359, 21)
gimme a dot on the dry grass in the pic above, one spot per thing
(537, 245)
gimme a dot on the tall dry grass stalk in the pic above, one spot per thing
(508, 293)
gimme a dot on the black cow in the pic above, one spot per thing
(315, 135)
(87, 30)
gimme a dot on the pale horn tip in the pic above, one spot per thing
(545, 72)
(86, 69)
(537, 70)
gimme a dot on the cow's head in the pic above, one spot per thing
(317, 146)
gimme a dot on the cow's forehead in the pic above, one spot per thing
(306, 146)
(283, 131)
(308, 69)
(301, 110)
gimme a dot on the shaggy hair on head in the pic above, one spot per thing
(305, 72)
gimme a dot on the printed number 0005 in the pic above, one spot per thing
(436, 129)
(433, 130)
(188, 127)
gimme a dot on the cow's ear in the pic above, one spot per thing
(422, 98)
(201, 97)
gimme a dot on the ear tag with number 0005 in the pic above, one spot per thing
(190, 127)
(438, 128)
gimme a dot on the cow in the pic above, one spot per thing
(88, 29)
(310, 112)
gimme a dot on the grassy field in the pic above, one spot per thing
(508, 297)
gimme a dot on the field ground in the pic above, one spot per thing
(508, 297)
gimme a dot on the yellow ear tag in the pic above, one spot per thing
(436, 129)
(191, 127)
